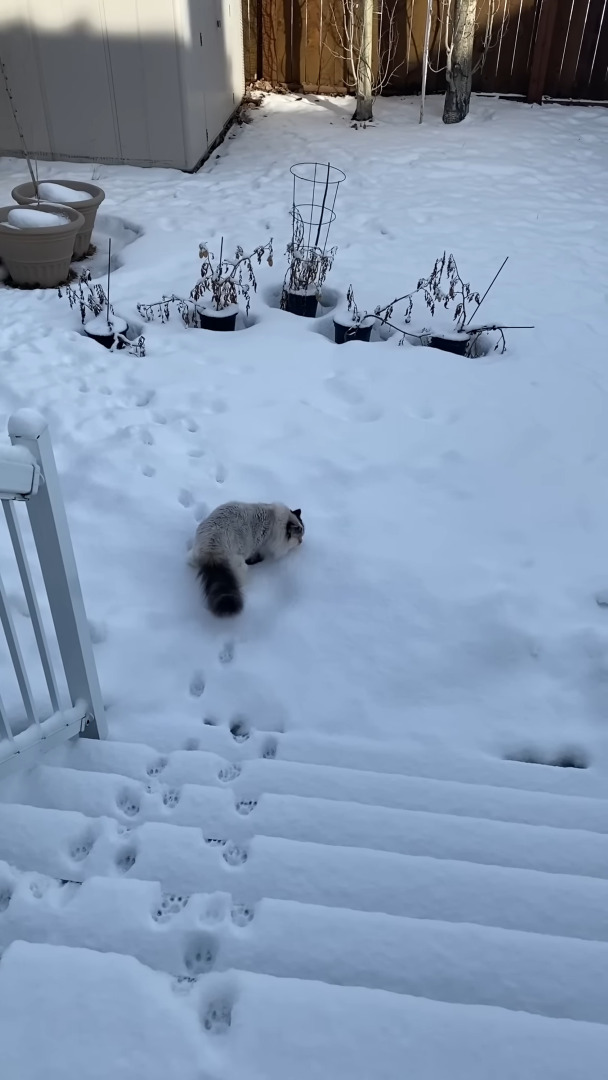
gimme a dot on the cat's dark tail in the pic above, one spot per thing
(221, 588)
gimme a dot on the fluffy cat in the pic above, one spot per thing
(237, 535)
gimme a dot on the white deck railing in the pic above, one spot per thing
(28, 473)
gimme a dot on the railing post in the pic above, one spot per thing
(54, 546)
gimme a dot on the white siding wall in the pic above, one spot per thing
(148, 82)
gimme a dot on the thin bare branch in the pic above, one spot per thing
(491, 36)
(366, 41)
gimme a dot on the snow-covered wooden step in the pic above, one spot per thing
(409, 759)
(131, 1021)
(69, 845)
(222, 815)
(253, 777)
(189, 936)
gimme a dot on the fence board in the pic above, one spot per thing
(569, 29)
(541, 49)
(319, 65)
(329, 68)
(252, 39)
(597, 87)
(581, 86)
(274, 42)
(294, 43)
(506, 64)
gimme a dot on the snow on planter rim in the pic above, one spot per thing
(103, 325)
(213, 313)
(58, 193)
(449, 335)
(310, 290)
(25, 217)
(345, 318)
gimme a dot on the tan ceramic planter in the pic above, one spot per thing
(39, 257)
(24, 195)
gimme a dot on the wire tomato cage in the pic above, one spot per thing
(315, 190)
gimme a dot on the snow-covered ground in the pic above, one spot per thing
(456, 534)
(334, 759)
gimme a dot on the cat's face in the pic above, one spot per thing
(294, 529)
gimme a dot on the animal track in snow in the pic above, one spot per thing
(200, 954)
(170, 904)
(68, 889)
(270, 748)
(196, 452)
(210, 721)
(125, 859)
(186, 498)
(128, 803)
(239, 729)
(234, 854)
(171, 798)
(146, 437)
(192, 744)
(157, 766)
(226, 653)
(197, 684)
(422, 412)
(350, 395)
(6, 893)
(144, 397)
(201, 511)
(83, 847)
(366, 414)
(215, 909)
(183, 984)
(217, 1017)
(228, 773)
(241, 914)
(39, 886)
(148, 470)
(159, 418)
(221, 473)
(245, 806)
(214, 841)
(344, 390)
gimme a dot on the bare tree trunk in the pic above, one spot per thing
(459, 70)
(365, 101)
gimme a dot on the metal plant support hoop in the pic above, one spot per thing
(315, 190)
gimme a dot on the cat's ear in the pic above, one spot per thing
(298, 514)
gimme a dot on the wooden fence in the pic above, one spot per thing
(538, 48)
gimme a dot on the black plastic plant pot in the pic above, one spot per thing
(301, 304)
(458, 345)
(218, 322)
(107, 340)
(344, 332)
